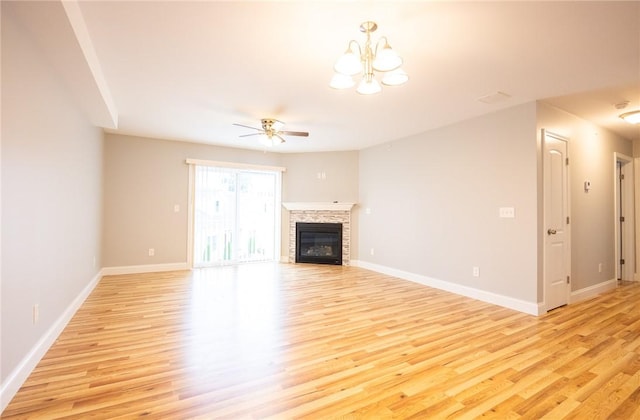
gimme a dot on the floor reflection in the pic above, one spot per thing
(234, 325)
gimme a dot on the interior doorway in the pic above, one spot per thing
(624, 217)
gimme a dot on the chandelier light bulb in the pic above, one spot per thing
(386, 59)
(341, 81)
(369, 87)
(395, 77)
(349, 64)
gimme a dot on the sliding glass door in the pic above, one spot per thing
(234, 215)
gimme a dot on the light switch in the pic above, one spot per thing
(507, 212)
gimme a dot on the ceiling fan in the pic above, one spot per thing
(272, 132)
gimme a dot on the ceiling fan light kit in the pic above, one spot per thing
(369, 60)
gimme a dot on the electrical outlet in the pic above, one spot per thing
(476, 271)
(36, 313)
(600, 268)
(152, 252)
(372, 251)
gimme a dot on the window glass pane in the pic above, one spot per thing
(234, 218)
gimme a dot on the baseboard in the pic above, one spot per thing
(592, 291)
(20, 374)
(148, 268)
(482, 295)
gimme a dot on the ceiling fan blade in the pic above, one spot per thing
(294, 133)
(247, 126)
(249, 135)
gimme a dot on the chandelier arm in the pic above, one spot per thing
(386, 42)
(353, 41)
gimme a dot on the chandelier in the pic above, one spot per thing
(379, 59)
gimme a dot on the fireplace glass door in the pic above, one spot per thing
(319, 243)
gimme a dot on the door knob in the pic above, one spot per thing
(551, 232)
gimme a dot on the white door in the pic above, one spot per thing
(625, 223)
(556, 221)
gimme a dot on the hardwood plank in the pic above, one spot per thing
(312, 341)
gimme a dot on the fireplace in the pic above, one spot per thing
(319, 243)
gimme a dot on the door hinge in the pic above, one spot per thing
(566, 161)
(568, 280)
(568, 219)
(622, 218)
(622, 261)
(621, 177)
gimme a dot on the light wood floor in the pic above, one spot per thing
(307, 341)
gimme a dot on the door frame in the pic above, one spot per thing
(545, 134)
(626, 208)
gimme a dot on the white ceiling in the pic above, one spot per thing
(189, 70)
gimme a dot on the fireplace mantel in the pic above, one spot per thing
(304, 206)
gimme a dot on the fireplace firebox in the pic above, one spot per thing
(319, 243)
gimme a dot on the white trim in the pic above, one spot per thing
(191, 214)
(235, 165)
(628, 249)
(335, 206)
(16, 378)
(149, 268)
(277, 229)
(592, 291)
(103, 117)
(636, 194)
(530, 308)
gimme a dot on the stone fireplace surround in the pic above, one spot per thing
(320, 213)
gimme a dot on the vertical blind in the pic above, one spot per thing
(234, 215)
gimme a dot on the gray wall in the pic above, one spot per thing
(145, 178)
(51, 196)
(434, 200)
(591, 153)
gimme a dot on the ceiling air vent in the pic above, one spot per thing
(494, 98)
